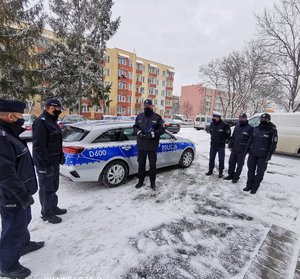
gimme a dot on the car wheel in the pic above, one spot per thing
(187, 158)
(115, 173)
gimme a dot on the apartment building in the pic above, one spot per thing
(197, 99)
(134, 79)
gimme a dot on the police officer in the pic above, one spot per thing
(261, 147)
(17, 185)
(237, 144)
(220, 132)
(148, 127)
(47, 155)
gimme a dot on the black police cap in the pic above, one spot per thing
(266, 116)
(243, 115)
(11, 106)
(54, 103)
(148, 102)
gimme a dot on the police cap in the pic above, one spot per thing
(216, 114)
(243, 115)
(148, 102)
(12, 106)
(54, 103)
(265, 116)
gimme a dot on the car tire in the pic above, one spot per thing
(187, 158)
(115, 173)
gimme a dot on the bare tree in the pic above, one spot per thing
(279, 34)
(240, 78)
(187, 109)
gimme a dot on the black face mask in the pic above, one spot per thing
(264, 122)
(242, 122)
(56, 114)
(214, 120)
(148, 111)
(20, 122)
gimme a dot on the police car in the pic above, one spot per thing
(106, 151)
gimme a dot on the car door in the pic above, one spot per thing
(168, 151)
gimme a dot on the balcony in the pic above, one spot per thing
(168, 107)
(170, 78)
(152, 85)
(169, 88)
(151, 96)
(124, 104)
(170, 98)
(138, 105)
(152, 75)
(139, 72)
(138, 94)
(138, 83)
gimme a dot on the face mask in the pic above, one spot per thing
(20, 122)
(56, 113)
(242, 122)
(263, 122)
(148, 111)
(214, 120)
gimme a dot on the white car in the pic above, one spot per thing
(106, 151)
(29, 119)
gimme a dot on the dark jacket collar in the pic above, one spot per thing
(48, 115)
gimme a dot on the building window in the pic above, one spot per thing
(162, 102)
(156, 91)
(107, 59)
(162, 93)
(122, 60)
(163, 83)
(129, 110)
(121, 98)
(129, 99)
(122, 85)
(150, 91)
(155, 102)
(130, 86)
(85, 108)
(129, 75)
(122, 74)
(129, 62)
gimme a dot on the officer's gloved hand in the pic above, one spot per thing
(268, 158)
(62, 160)
(150, 135)
(26, 200)
(140, 134)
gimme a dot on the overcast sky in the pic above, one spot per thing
(185, 33)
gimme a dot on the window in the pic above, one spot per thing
(120, 110)
(156, 91)
(129, 110)
(122, 74)
(151, 80)
(150, 91)
(121, 98)
(163, 83)
(129, 99)
(162, 102)
(84, 108)
(129, 62)
(106, 72)
(129, 75)
(107, 59)
(111, 135)
(122, 60)
(162, 93)
(122, 85)
(128, 134)
(155, 102)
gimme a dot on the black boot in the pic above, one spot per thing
(153, 186)
(19, 272)
(220, 174)
(139, 185)
(32, 246)
(53, 219)
(247, 188)
(209, 173)
(253, 191)
(60, 211)
(234, 180)
(228, 177)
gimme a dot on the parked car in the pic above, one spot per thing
(29, 119)
(70, 119)
(171, 125)
(106, 151)
(288, 129)
(231, 121)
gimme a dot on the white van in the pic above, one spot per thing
(288, 127)
(202, 121)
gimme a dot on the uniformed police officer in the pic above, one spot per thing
(237, 144)
(220, 132)
(47, 155)
(17, 185)
(148, 127)
(262, 145)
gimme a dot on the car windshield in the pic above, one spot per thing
(71, 134)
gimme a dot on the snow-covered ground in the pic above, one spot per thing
(193, 226)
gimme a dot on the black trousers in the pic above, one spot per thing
(256, 170)
(212, 155)
(14, 235)
(48, 186)
(236, 163)
(142, 157)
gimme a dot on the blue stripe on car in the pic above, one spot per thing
(95, 155)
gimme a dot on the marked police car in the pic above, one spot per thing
(106, 151)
